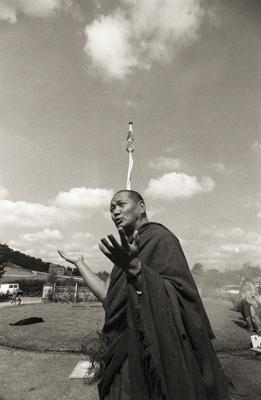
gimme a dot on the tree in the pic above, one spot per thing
(250, 271)
(197, 269)
(5, 253)
(2, 270)
(52, 277)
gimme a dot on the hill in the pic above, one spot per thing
(12, 258)
(14, 273)
(17, 265)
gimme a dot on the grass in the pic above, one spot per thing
(63, 330)
(228, 326)
(65, 326)
(29, 375)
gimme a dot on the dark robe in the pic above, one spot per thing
(164, 334)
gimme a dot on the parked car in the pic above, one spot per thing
(227, 291)
(8, 289)
(230, 293)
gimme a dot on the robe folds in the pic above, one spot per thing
(163, 334)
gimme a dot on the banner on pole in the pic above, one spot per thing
(130, 150)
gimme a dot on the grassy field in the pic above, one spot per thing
(66, 324)
(27, 375)
(63, 328)
(39, 375)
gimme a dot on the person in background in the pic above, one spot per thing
(250, 304)
(19, 298)
(14, 297)
(157, 332)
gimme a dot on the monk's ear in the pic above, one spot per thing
(142, 206)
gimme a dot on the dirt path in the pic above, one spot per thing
(26, 375)
(25, 300)
(243, 368)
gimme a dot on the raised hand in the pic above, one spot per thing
(70, 259)
(122, 253)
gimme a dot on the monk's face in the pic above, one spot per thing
(126, 212)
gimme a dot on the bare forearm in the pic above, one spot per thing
(96, 285)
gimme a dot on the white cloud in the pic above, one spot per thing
(225, 247)
(82, 236)
(84, 198)
(108, 45)
(167, 163)
(23, 214)
(45, 235)
(11, 9)
(42, 237)
(153, 212)
(216, 233)
(3, 193)
(256, 146)
(66, 207)
(238, 248)
(221, 168)
(38, 244)
(176, 185)
(140, 32)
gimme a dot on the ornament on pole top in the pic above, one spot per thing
(130, 150)
(130, 138)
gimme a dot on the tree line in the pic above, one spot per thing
(23, 260)
(32, 263)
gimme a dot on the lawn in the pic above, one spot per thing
(27, 375)
(63, 328)
(34, 375)
(65, 325)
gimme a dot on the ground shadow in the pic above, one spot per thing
(241, 324)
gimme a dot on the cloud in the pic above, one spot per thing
(140, 32)
(238, 248)
(214, 232)
(177, 185)
(221, 168)
(66, 207)
(82, 236)
(46, 242)
(11, 9)
(153, 212)
(84, 198)
(225, 247)
(49, 227)
(256, 147)
(167, 163)
(3, 193)
(24, 214)
(45, 235)
(108, 45)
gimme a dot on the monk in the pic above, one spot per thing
(157, 332)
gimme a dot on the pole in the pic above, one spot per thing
(75, 292)
(130, 150)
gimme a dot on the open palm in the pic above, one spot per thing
(70, 259)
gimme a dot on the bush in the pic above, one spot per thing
(3, 297)
(93, 346)
(31, 287)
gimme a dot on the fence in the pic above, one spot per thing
(69, 294)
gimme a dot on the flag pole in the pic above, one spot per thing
(130, 150)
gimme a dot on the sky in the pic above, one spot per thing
(187, 73)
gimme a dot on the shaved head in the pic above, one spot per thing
(128, 210)
(132, 194)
